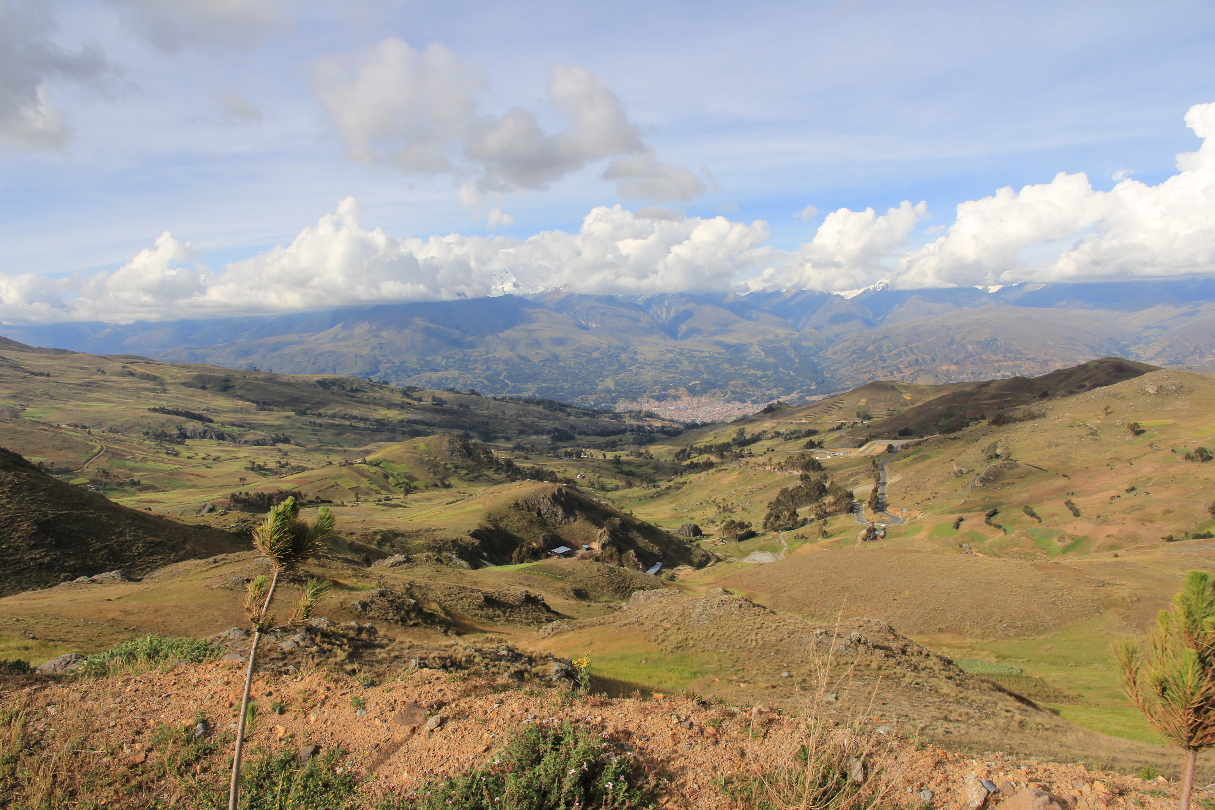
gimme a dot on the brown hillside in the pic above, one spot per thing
(747, 653)
(51, 531)
(986, 399)
(975, 345)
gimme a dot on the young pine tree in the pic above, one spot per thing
(1171, 677)
(285, 541)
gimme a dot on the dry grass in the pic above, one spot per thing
(829, 765)
(60, 755)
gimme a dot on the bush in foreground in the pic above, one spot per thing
(540, 768)
(146, 652)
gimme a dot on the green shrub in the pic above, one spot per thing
(1201, 455)
(146, 652)
(279, 782)
(17, 666)
(541, 767)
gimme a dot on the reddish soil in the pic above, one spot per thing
(105, 724)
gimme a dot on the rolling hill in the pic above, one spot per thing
(53, 532)
(1018, 547)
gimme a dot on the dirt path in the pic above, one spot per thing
(101, 448)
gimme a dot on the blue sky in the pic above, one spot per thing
(238, 125)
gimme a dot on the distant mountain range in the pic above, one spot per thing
(599, 349)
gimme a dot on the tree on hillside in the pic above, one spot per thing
(1171, 677)
(285, 541)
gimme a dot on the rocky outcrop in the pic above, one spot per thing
(993, 473)
(500, 661)
(558, 506)
(386, 604)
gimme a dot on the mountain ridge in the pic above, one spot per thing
(602, 349)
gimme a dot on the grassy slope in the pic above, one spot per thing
(88, 417)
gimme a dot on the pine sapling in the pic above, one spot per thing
(285, 541)
(1170, 676)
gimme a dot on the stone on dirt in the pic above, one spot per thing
(64, 663)
(411, 715)
(977, 793)
(1033, 799)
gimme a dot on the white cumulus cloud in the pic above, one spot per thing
(393, 105)
(338, 262)
(496, 219)
(850, 250)
(29, 61)
(1131, 231)
(417, 111)
(1063, 230)
(172, 25)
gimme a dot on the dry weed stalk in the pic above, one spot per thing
(833, 765)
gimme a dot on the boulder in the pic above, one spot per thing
(977, 793)
(391, 562)
(689, 530)
(64, 663)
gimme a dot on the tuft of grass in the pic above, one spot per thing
(541, 767)
(147, 652)
(75, 766)
(830, 770)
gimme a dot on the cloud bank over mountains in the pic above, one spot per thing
(1063, 230)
